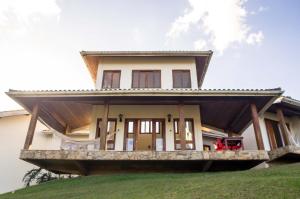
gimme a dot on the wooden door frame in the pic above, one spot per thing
(193, 128)
(98, 130)
(137, 129)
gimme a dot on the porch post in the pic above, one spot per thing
(181, 126)
(282, 125)
(103, 127)
(32, 125)
(257, 130)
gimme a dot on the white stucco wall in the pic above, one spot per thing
(149, 111)
(165, 64)
(210, 142)
(13, 131)
(295, 127)
(249, 136)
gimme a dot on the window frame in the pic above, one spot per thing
(145, 71)
(98, 130)
(111, 71)
(183, 70)
(177, 133)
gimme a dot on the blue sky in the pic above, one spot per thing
(256, 43)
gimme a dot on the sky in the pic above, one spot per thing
(256, 43)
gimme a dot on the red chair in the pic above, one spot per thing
(219, 145)
(236, 147)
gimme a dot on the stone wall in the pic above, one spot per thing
(142, 155)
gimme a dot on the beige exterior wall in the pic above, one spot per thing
(13, 131)
(165, 64)
(249, 136)
(295, 127)
(210, 142)
(149, 111)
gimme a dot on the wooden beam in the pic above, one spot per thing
(238, 117)
(181, 126)
(32, 125)
(207, 165)
(81, 168)
(103, 128)
(153, 135)
(257, 130)
(229, 133)
(68, 129)
(271, 134)
(283, 127)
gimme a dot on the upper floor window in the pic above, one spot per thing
(181, 79)
(111, 79)
(146, 79)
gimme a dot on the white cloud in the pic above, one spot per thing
(223, 23)
(255, 38)
(200, 44)
(16, 16)
(262, 9)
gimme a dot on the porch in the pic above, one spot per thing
(172, 122)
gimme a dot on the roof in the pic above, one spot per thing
(289, 106)
(202, 59)
(146, 53)
(226, 109)
(13, 113)
(144, 91)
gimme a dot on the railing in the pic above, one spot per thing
(80, 145)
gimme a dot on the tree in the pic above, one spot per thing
(30, 176)
(37, 175)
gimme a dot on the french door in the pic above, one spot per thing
(144, 134)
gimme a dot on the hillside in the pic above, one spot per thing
(276, 182)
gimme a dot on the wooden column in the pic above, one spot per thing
(181, 126)
(257, 130)
(283, 127)
(153, 135)
(32, 125)
(229, 133)
(103, 128)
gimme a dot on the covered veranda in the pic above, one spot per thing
(230, 111)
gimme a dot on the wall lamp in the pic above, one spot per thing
(169, 117)
(120, 117)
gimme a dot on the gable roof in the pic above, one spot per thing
(202, 59)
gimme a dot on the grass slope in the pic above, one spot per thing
(277, 182)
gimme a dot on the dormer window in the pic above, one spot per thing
(181, 79)
(111, 79)
(146, 79)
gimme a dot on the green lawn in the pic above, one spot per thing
(277, 182)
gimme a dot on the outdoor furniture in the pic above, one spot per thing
(229, 143)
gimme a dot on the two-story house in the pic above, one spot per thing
(147, 112)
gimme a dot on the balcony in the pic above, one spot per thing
(88, 162)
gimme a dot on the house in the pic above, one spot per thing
(13, 126)
(280, 127)
(147, 112)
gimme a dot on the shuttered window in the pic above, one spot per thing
(111, 79)
(181, 79)
(146, 79)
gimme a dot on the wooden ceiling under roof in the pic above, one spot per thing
(229, 113)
